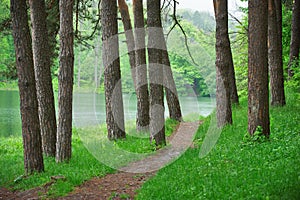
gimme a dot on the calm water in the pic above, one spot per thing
(89, 109)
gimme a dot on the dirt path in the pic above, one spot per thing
(179, 142)
(123, 185)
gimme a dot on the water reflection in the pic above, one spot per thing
(89, 109)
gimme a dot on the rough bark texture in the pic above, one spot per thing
(275, 58)
(258, 91)
(123, 8)
(41, 58)
(32, 142)
(278, 7)
(233, 89)
(142, 118)
(157, 118)
(97, 61)
(52, 9)
(65, 80)
(170, 87)
(295, 38)
(112, 73)
(223, 57)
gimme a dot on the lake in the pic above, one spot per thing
(89, 110)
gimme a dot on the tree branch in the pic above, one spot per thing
(238, 21)
(177, 23)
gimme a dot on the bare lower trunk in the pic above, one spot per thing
(112, 73)
(275, 59)
(233, 89)
(223, 64)
(142, 118)
(170, 87)
(258, 91)
(32, 142)
(129, 37)
(41, 57)
(157, 118)
(295, 39)
(65, 79)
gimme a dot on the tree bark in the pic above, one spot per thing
(234, 97)
(170, 87)
(142, 93)
(65, 80)
(112, 72)
(41, 58)
(275, 58)
(52, 9)
(155, 39)
(223, 64)
(295, 39)
(258, 91)
(123, 8)
(32, 142)
(278, 8)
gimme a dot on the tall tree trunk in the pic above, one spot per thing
(155, 39)
(44, 87)
(295, 39)
(97, 53)
(258, 91)
(223, 57)
(123, 8)
(112, 72)
(275, 58)
(278, 7)
(65, 80)
(142, 93)
(52, 9)
(170, 87)
(233, 89)
(32, 142)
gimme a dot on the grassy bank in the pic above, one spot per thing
(237, 167)
(83, 166)
(9, 85)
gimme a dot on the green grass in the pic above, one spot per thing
(139, 142)
(9, 85)
(82, 166)
(236, 169)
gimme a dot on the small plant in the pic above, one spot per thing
(113, 195)
(294, 81)
(124, 196)
(257, 136)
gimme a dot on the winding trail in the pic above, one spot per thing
(124, 183)
(130, 178)
(179, 142)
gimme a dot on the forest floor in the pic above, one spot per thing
(125, 183)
